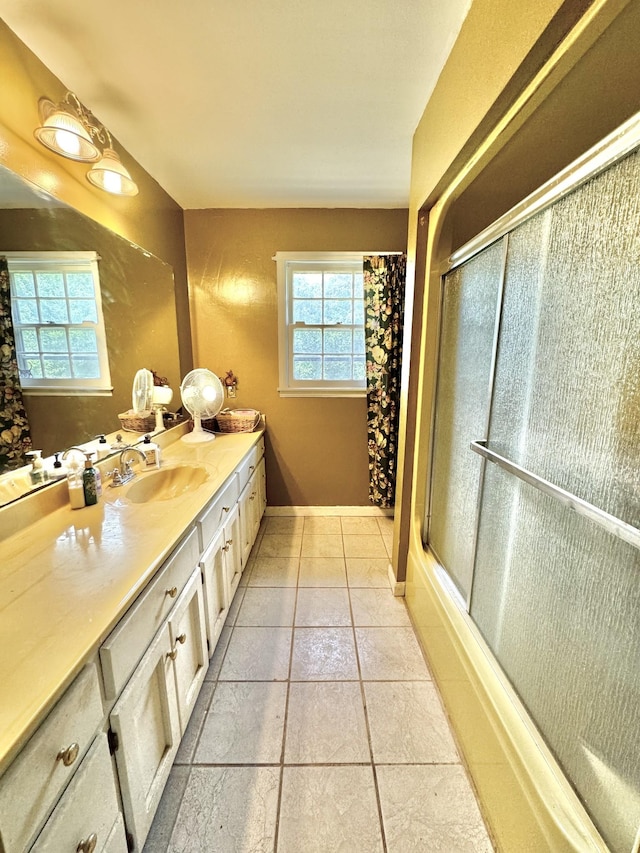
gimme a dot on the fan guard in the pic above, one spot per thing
(202, 396)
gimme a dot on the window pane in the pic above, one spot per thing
(307, 285)
(31, 368)
(85, 367)
(307, 340)
(54, 311)
(83, 311)
(56, 367)
(27, 311)
(358, 312)
(338, 311)
(307, 311)
(29, 339)
(53, 340)
(338, 285)
(337, 368)
(80, 284)
(358, 286)
(24, 284)
(82, 340)
(50, 284)
(307, 367)
(358, 340)
(337, 340)
(359, 369)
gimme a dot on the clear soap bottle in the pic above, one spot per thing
(75, 485)
(151, 452)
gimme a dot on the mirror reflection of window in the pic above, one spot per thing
(58, 323)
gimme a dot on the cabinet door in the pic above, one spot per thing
(188, 646)
(216, 603)
(87, 817)
(233, 551)
(147, 723)
(261, 496)
(246, 509)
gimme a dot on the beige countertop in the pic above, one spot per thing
(67, 576)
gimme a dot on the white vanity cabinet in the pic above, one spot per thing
(252, 501)
(153, 710)
(87, 819)
(49, 762)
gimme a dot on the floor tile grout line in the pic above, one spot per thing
(366, 719)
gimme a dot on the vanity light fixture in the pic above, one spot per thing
(69, 129)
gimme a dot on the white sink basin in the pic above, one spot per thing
(166, 483)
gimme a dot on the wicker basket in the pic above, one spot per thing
(138, 421)
(238, 420)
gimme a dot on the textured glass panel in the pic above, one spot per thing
(80, 285)
(54, 311)
(307, 311)
(466, 348)
(337, 368)
(82, 311)
(29, 340)
(23, 284)
(338, 340)
(557, 600)
(567, 394)
(307, 367)
(82, 340)
(338, 285)
(307, 340)
(358, 340)
(359, 369)
(358, 285)
(27, 310)
(56, 366)
(50, 284)
(307, 285)
(85, 367)
(358, 312)
(338, 311)
(53, 340)
(31, 367)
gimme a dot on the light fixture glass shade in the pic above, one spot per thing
(110, 175)
(64, 133)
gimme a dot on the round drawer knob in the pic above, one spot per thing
(172, 592)
(173, 654)
(88, 844)
(181, 638)
(68, 754)
(226, 508)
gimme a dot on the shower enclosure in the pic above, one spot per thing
(534, 502)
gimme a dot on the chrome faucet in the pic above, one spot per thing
(122, 475)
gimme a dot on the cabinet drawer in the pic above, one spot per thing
(215, 515)
(32, 784)
(88, 807)
(249, 464)
(123, 649)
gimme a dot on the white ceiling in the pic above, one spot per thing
(247, 103)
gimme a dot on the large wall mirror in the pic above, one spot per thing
(138, 302)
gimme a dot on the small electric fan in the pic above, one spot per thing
(202, 396)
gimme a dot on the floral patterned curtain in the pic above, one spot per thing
(15, 438)
(384, 280)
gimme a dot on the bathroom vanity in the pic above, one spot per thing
(109, 616)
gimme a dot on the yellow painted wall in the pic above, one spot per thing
(151, 219)
(316, 447)
(506, 115)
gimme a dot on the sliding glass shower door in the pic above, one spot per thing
(548, 505)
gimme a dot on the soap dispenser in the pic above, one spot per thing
(89, 482)
(103, 448)
(37, 473)
(151, 452)
(75, 485)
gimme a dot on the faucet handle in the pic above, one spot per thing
(116, 477)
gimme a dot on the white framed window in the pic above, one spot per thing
(56, 306)
(321, 324)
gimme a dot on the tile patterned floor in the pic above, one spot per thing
(319, 728)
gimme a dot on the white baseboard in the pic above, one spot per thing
(397, 587)
(329, 510)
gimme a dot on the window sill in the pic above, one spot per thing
(74, 391)
(322, 392)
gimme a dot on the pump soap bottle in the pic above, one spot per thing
(75, 485)
(37, 473)
(89, 482)
(151, 452)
